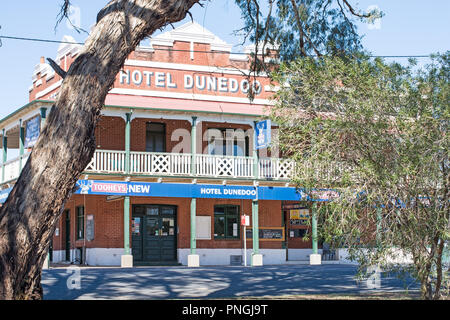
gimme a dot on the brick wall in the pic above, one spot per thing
(108, 217)
(108, 222)
(110, 133)
(138, 133)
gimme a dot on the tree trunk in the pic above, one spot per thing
(67, 143)
(438, 282)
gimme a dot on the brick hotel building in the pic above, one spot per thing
(176, 164)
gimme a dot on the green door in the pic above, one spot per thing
(154, 234)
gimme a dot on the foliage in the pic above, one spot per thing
(377, 133)
(282, 30)
(304, 27)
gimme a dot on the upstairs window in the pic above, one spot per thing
(155, 138)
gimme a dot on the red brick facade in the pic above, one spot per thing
(154, 82)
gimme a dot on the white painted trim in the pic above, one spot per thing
(187, 67)
(221, 47)
(24, 118)
(145, 48)
(94, 256)
(227, 119)
(139, 113)
(189, 96)
(49, 89)
(222, 256)
(238, 57)
(161, 42)
(108, 112)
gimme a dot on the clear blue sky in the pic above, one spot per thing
(410, 27)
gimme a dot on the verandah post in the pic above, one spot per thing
(127, 257)
(5, 153)
(21, 144)
(315, 258)
(127, 142)
(193, 146)
(255, 154)
(193, 257)
(257, 259)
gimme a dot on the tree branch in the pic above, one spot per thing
(353, 12)
(57, 68)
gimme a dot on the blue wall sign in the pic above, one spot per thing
(4, 195)
(32, 132)
(186, 190)
(263, 134)
(224, 192)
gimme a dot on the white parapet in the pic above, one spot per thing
(315, 259)
(193, 260)
(257, 260)
(126, 261)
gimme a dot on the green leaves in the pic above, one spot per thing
(364, 125)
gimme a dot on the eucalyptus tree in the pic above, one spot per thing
(301, 28)
(66, 144)
(376, 133)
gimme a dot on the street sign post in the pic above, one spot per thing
(245, 221)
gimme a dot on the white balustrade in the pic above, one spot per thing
(224, 166)
(175, 164)
(12, 168)
(273, 168)
(150, 163)
(179, 164)
(107, 161)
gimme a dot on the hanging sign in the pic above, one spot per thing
(4, 195)
(32, 132)
(245, 220)
(263, 134)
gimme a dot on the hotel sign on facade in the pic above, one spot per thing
(188, 81)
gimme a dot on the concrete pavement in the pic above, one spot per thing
(181, 282)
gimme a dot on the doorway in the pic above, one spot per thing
(154, 234)
(296, 227)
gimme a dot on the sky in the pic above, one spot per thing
(409, 27)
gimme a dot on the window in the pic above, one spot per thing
(155, 139)
(226, 222)
(80, 223)
(229, 142)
